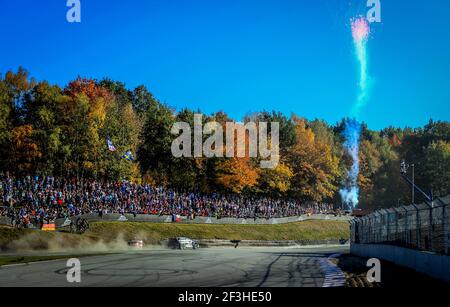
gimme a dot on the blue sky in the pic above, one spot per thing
(243, 56)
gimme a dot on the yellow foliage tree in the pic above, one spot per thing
(369, 163)
(315, 168)
(276, 181)
(24, 151)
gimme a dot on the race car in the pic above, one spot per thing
(136, 243)
(183, 243)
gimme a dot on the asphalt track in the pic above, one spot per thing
(207, 267)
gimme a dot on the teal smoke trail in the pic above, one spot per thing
(361, 53)
(350, 192)
(360, 33)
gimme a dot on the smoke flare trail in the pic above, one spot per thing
(360, 33)
(350, 191)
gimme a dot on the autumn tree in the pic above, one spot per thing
(5, 124)
(24, 151)
(313, 164)
(275, 182)
(48, 130)
(437, 167)
(236, 174)
(188, 173)
(154, 152)
(239, 173)
(40, 112)
(123, 127)
(286, 125)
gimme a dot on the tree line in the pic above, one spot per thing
(49, 130)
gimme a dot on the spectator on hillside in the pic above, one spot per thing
(43, 199)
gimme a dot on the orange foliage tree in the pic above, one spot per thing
(315, 168)
(24, 151)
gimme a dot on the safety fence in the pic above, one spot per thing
(422, 227)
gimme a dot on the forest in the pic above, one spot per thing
(102, 130)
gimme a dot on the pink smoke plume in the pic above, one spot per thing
(360, 29)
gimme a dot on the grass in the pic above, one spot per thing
(104, 236)
(153, 233)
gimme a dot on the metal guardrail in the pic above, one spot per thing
(422, 227)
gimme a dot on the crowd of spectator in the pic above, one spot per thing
(35, 199)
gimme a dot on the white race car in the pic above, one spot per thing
(183, 243)
(136, 243)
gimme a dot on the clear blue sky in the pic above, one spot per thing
(243, 55)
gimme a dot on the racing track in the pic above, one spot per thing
(207, 267)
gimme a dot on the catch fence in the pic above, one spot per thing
(422, 227)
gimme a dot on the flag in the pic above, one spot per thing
(110, 145)
(128, 156)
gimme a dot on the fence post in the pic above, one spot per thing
(376, 227)
(381, 226)
(430, 228)
(388, 227)
(396, 225)
(445, 228)
(418, 226)
(406, 226)
(367, 230)
(380, 231)
(352, 231)
(361, 230)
